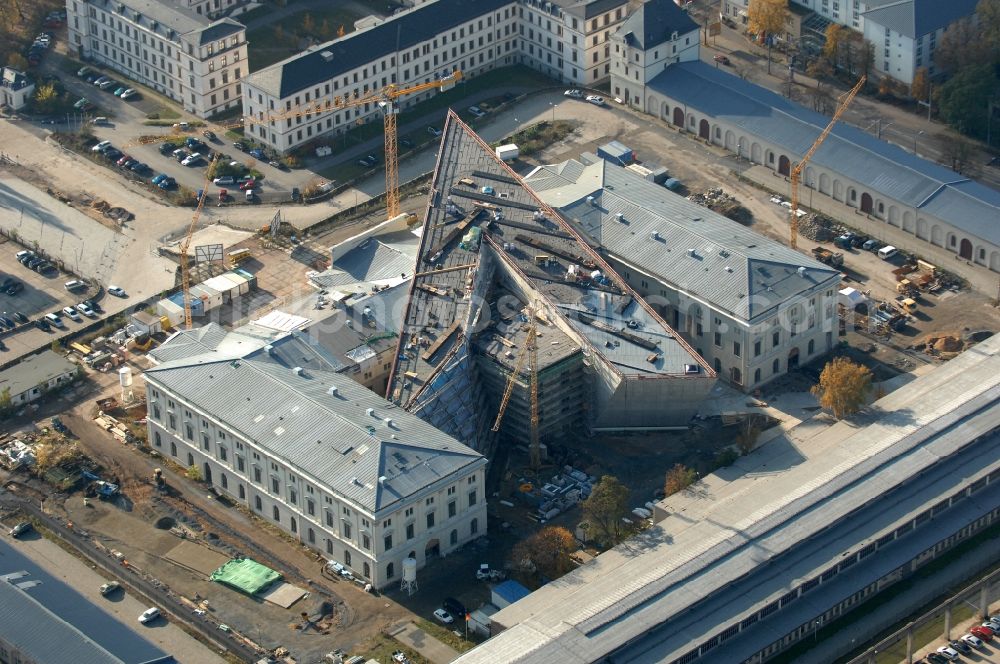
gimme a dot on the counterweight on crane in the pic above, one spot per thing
(796, 173)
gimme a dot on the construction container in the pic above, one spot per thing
(508, 152)
(616, 153)
(173, 312)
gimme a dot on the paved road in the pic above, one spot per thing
(126, 606)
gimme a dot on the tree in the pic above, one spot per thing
(819, 68)
(988, 13)
(920, 87)
(835, 37)
(193, 473)
(604, 510)
(964, 99)
(46, 98)
(6, 403)
(862, 58)
(767, 19)
(843, 386)
(546, 552)
(962, 45)
(17, 61)
(340, 31)
(750, 429)
(956, 150)
(822, 99)
(679, 478)
(308, 24)
(325, 31)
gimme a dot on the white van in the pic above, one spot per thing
(887, 252)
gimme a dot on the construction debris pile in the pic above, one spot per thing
(717, 200)
(820, 228)
(119, 214)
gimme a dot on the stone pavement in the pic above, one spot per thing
(409, 634)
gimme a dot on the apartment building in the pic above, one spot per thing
(294, 102)
(197, 61)
(848, 13)
(273, 426)
(905, 34)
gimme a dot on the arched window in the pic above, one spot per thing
(812, 346)
(311, 536)
(347, 557)
(225, 481)
(367, 570)
(454, 537)
(275, 513)
(474, 526)
(257, 504)
(243, 493)
(756, 375)
(295, 526)
(390, 571)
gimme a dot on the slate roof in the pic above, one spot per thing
(885, 168)
(34, 370)
(588, 9)
(398, 33)
(916, 18)
(329, 437)
(733, 268)
(47, 621)
(161, 16)
(654, 22)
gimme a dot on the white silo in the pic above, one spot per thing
(409, 583)
(125, 382)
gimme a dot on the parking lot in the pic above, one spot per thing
(42, 294)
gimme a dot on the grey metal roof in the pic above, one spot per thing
(655, 22)
(916, 18)
(47, 621)
(733, 269)
(885, 168)
(357, 49)
(34, 370)
(585, 8)
(166, 16)
(329, 437)
(374, 260)
(841, 487)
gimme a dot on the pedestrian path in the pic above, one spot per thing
(410, 635)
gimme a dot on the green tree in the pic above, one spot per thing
(964, 99)
(46, 98)
(193, 473)
(988, 13)
(605, 509)
(546, 552)
(962, 45)
(843, 386)
(678, 478)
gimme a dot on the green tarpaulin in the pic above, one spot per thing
(246, 575)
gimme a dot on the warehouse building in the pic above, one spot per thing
(494, 260)
(195, 60)
(752, 307)
(301, 99)
(271, 423)
(809, 528)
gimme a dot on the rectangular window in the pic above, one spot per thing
(274, 485)
(736, 348)
(409, 531)
(472, 498)
(718, 340)
(347, 530)
(430, 520)
(452, 509)
(388, 541)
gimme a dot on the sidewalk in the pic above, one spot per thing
(411, 635)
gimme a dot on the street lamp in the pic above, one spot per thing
(553, 112)
(915, 136)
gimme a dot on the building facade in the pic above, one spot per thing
(905, 34)
(16, 89)
(306, 97)
(751, 307)
(849, 13)
(335, 466)
(186, 56)
(655, 36)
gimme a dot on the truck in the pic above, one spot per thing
(824, 255)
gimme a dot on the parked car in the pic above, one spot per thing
(109, 587)
(74, 284)
(948, 652)
(489, 191)
(183, 126)
(71, 314)
(118, 91)
(191, 159)
(86, 310)
(368, 161)
(7, 323)
(157, 179)
(20, 529)
(935, 658)
(43, 325)
(240, 146)
(973, 641)
(225, 179)
(406, 143)
(960, 646)
(249, 185)
(193, 143)
(180, 154)
(113, 154)
(44, 267)
(101, 147)
(982, 632)
(443, 616)
(108, 83)
(24, 254)
(14, 288)
(20, 318)
(434, 131)
(129, 94)
(476, 111)
(149, 615)
(83, 71)
(575, 94)
(722, 59)
(257, 153)
(101, 80)
(124, 159)
(55, 320)
(167, 183)
(210, 135)
(138, 167)
(117, 291)
(595, 100)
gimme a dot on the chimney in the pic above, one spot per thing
(332, 391)
(802, 271)
(388, 422)
(297, 371)
(370, 412)
(692, 253)
(620, 218)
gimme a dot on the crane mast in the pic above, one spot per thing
(796, 173)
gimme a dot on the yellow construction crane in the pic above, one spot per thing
(796, 174)
(186, 245)
(386, 100)
(530, 353)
